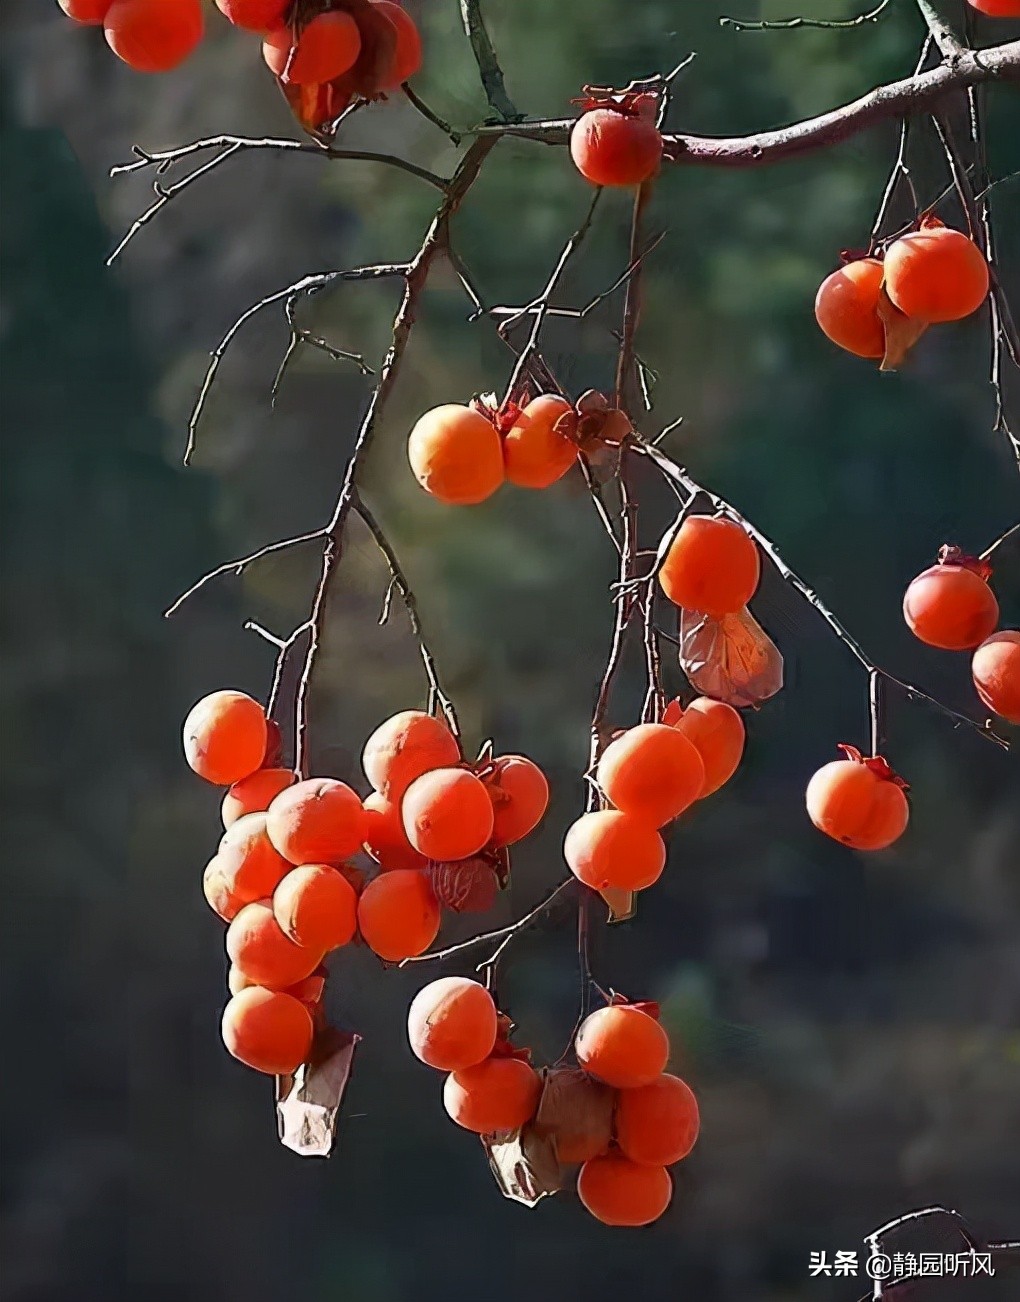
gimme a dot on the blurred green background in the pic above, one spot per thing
(850, 1023)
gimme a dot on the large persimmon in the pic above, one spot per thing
(652, 772)
(622, 1045)
(539, 447)
(616, 142)
(860, 802)
(607, 849)
(153, 35)
(950, 605)
(846, 308)
(324, 49)
(717, 733)
(712, 566)
(267, 1030)
(617, 1191)
(456, 455)
(996, 672)
(936, 273)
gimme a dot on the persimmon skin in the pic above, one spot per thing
(996, 673)
(258, 947)
(447, 814)
(225, 737)
(398, 915)
(456, 455)
(494, 1096)
(152, 35)
(622, 1046)
(218, 895)
(538, 448)
(407, 57)
(316, 907)
(520, 797)
(250, 864)
(846, 308)
(609, 849)
(617, 1191)
(615, 149)
(254, 15)
(255, 793)
(657, 1124)
(717, 733)
(712, 566)
(385, 838)
(89, 12)
(404, 747)
(451, 1024)
(997, 8)
(267, 1030)
(950, 607)
(936, 273)
(856, 807)
(327, 48)
(316, 821)
(652, 772)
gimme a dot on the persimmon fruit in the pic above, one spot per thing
(456, 455)
(997, 8)
(251, 865)
(538, 448)
(407, 56)
(255, 793)
(496, 1095)
(398, 914)
(385, 838)
(225, 737)
(447, 814)
(623, 1046)
(614, 147)
(91, 12)
(717, 733)
(316, 907)
(520, 796)
(154, 35)
(950, 605)
(258, 947)
(996, 673)
(617, 1191)
(609, 849)
(316, 821)
(217, 892)
(267, 1030)
(326, 48)
(404, 747)
(936, 273)
(451, 1023)
(254, 15)
(860, 802)
(711, 566)
(657, 1124)
(846, 308)
(652, 772)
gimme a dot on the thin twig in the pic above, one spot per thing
(990, 550)
(788, 24)
(501, 933)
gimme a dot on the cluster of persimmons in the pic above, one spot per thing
(619, 1116)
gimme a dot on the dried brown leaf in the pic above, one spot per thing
(524, 1165)
(575, 1108)
(308, 1102)
(901, 331)
(731, 659)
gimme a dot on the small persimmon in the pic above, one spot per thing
(456, 455)
(398, 914)
(657, 1124)
(316, 907)
(608, 849)
(623, 1046)
(250, 864)
(846, 308)
(539, 448)
(451, 1023)
(385, 838)
(152, 35)
(860, 802)
(326, 48)
(316, 821)
(218, 894)
(494, 1096)
(617, 1191)
(267, 1030)
(936, 273)
(225, 737)
(996, 672)
(91, 12)
(652, 772)
(717, 733)
(254, 15)
(950, 605)
(258, 947)
(407, 56)
(615, 145)
(711, 566)
(255, 793)
(520, 797)
(447, 814)
(404, 747)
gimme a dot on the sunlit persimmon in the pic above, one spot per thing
(652, 772)
(408, 54)
(267, 1030)
(951, 605)
(539, 447)
(996, 672)
(257, 946)
(520, 797)
(496, 1095)
(327, 47)
(451, 1023)
(936, 273)
(385, 838)
(846, 307)
(614, 146)
(317, 821)
(255, 793)
(860, 802)
(217, 892)
(254, 15)
(717, 733)
(316, 907)
(225, 737)
(607, 848)
(250, 864)
(622, 1046)
(617, 1191)
(712, 566)
(404, 747)
(447, 814)
(237, 981)
(398, 914)
(997, 8)
(91, 12)
(657, 1124)
(153, 35)
(456, 455)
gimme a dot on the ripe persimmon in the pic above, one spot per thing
(609, 849)
(218, 894)
(652, 772)
(255, 793)
(539, 448)
(404, 747)
(950, 605)
(860, 802)
(657, 1124)
(237, 981)
(225, 737)
(496, 1095)
(152, 35)
(997, 8)
(622, 1045)
(91, 12)
(250, 864)
(267, 1030)
(385, 838)
(258, 947)
(616, 144)
(520, 796)
(326, 48)
(617, 1191)
(317, 821)
(447, 814)
(996, 672)
(456, 455)
(846, 308)
(451, 1023)
(711, 566)
(316, 907)
(717, 733)
(408, 54)
(254, 15)
(936, 273)
(398, 914)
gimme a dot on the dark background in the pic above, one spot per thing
(849, 1022)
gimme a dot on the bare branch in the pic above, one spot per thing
(488, 64)
(788, 24)
(501, 933)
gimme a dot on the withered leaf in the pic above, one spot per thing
(731, 659)
(574, 1106)
(901, 331)
(308, 1102)
(621, 904)
(524, 1165)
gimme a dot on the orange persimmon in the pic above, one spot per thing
(258, 947)
(652, 772)
(538, 448)
(950, 605)
(408, 53)
(617, 1191)
(225, 737)
(267, 1030)
(622, 1046)
(451, 1023)
(860, 802)
(657, 1124)
(404, 747)
(250, 864)
(398, 914)
(717, 733)
(612, 145)
(254, 15)
(152, 35)
(520, 796)
(255, 793)
(385, 838)
(712, 566)
(91, 12)
(447, 814)
(608, 849)
(317, 821)
(996, 673)
(316, 907)
(456, 455)
(846, 308)
(936, 273)
(326, 48)
(496, 1095)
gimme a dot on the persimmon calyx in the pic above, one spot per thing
(647, 1006)
(629, 103)
(503, 1048)
(950, 554)
(878, 765)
